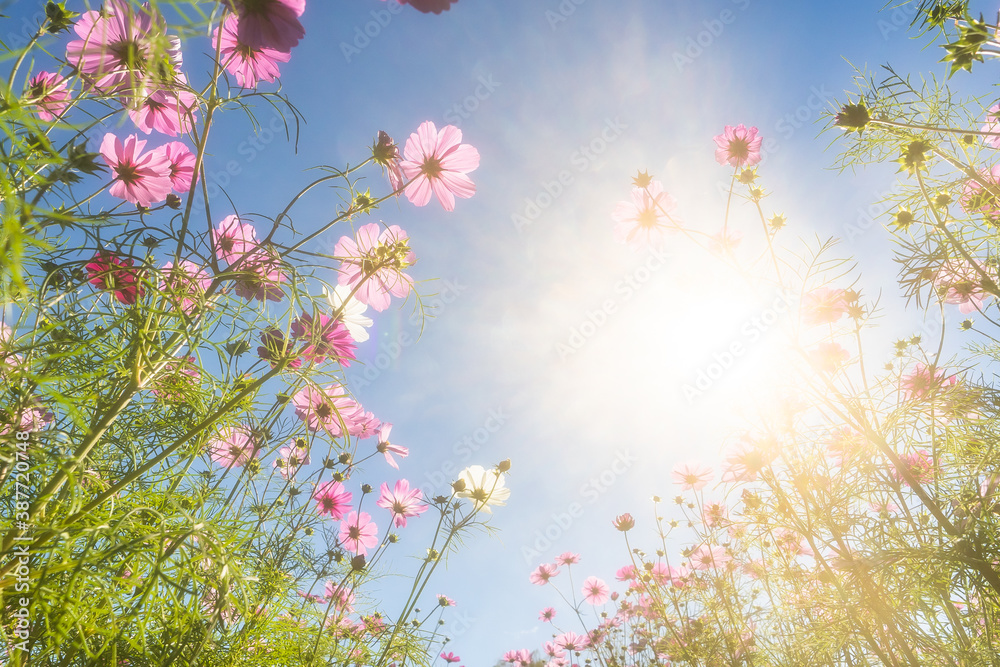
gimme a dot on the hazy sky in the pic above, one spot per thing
(552, 345)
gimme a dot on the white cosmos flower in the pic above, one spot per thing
(353, 316)
(483, 487)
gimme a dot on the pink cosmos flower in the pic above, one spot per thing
(923, 380)
(919, 464)
(116, 44)
(275, 349)
(386, 154)
(233, 238)
(626, 573)
(364, 425)
(108, 271)
(745, 463)
(829, 357)
(376, 262)
(541, 575)
(269, 24)
(624, 522)
(323, 337)
(333, 499)
(993, 125)
(547, 614)
(595, 591)
(713, 514)
(182, 162)
(725, 241)
(824, 305)
(169, 110)
(330, 408)
(402, 501)
(139, 178)
(567, 558)
(691, 476)
(521, 657)
(260, 276)
(959, 282)
(705, 557)
(646, 219)
(438, 162)
(358, 533)
(233, 446)
(845, 443)
(450, 657)
(551, 649)
(445, 601)
(291, 457)
(738, 146)
(248, 64)
(428, 6)
(342, 597)
(570, 641)
(185, 283)
(387, 448)
(977, 198)
(48, 91)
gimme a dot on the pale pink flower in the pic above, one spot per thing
(541, 574)
(438, 162)
(333, 499)
(626, 573)
(745, 463)
(376, 262)
(547, 614)
(705, 557)
(924, 380)
(445, 601)
(49, 93)
(979, 198)
(691, 476)
(270, 24)
(387, 448)
(248, 64)
(139, 178)
(233, 238)
(182, 162)
(365, 425)
(713, 514)
(291, 457)
(738, 146)
(992, 125)
(595, 591)
(358, 533)
(567, 558)
(168, 110)
(402, 501)
(323, 337)
(725, 241)
(331, 409)
(919, 464)
(570, 641)
(342, 597)
(959, 282)
(185, 284)
(233, 446)
(646, 219)
(824, 305)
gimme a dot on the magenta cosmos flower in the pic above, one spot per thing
(595, 591)
(374, 263)
(738, 146)
(333, 499)
(108, 271)
(646, 219)
(269, 24)
(330, 409)
(233, 446)
(323, 337)
(233, 238)
(438, 162)
(185, 284)
(387, 448)
(168, 110)
(182, 162)
(358, 533)
(541, 575)
(260, 276)
(248, 64)
(274, 348)
(117, 44)
(48, 91)
(139, 178)
(691, 476)
(402, 501)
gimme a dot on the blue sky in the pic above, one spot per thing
(565, 101)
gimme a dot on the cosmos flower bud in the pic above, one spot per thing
(458, 485)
